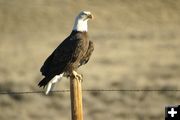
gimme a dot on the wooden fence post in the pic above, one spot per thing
(76, 99)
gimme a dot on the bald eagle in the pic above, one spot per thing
(73, 52)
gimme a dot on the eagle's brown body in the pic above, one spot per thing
(73, 52)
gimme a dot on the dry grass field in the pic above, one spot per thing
(137, 46)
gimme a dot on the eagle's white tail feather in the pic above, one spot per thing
(52, 82)
(48, 88)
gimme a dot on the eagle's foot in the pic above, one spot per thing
(78, 76)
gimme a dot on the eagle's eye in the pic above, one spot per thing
(83, 14)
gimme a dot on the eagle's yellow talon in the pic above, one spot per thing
(77, 76)
(80, 77)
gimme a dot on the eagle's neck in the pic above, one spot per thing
(80, 25)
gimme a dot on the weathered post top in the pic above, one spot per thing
(76, 98)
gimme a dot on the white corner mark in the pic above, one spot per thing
(172, 112)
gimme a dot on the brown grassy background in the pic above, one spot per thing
(136, 47)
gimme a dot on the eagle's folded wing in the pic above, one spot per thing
(87, 56)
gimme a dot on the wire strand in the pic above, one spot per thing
(88, 90)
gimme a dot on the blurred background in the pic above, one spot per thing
(137, 46)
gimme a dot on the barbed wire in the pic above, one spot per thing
(89, 90)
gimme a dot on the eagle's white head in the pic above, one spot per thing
(81, 21)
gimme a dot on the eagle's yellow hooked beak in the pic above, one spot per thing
(90, 16)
